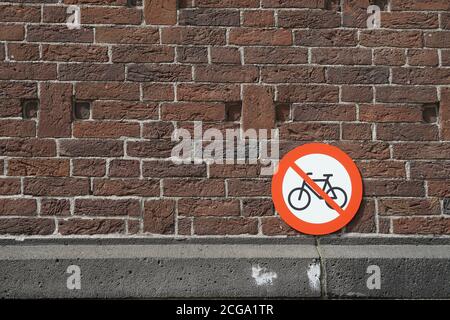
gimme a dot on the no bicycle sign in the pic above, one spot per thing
(317, 189)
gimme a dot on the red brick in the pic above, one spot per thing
(126, 187)
(407, 132)
(248, 187)
(309, 131)
(192, 54)
(208, 207)
(57, 33)
(257, 207)
(347, 56)
(308, 93)
(91, 148)
(324, 112)
(444, 114)
(20, 13)
(23, 52)
(166, 169)
(222, 73)
(391, 38)
(107, 91)
(160, 12)
(365, 150)
(27, 147)
(422, 226)
(314, 19)
(94, 207)
(17, 90)
(74, 53)
(209, 17)
(110, 129)
(423, 57)
(127, 35)
(404, 94)
(270, 55)
(258, 18)
(233, 171)
(150, 149)
(91, 72)
(364, 220)
(193, 36)
(394, 188)
(137, 54)
(12, 32)
(55, 207)
(325, 38)
(158, 92)
(208, 92)
(439, 39)
(261, 37)
(291, 74)
(356, 131)
(55, 115)
(193, 188)
(158, 130)
(356, 93)
(27, 226)
(18, 207)
(120, 110)
(64, 187)
(274, 226)
(110, 15)
(159, 217)
(17, 128)
(9, 186)
(225, 226)
(389, 57)
(408, 207)
(421, 150)
(420, 5)
(39, 167)
(409, 20)
(358, 75)
(227, 3)
(89, 167)
(258, 109)
(159, 72)
(193, 111)
(76, 226)
(382, 169)
(390, 113)
(124, 168)
(27, 71)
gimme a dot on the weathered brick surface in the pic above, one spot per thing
(312, 69)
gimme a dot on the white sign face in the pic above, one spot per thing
(330, 175)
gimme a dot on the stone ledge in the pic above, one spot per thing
(207, 268)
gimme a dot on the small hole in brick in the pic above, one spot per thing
(132, 3)
(82, 110)
(30, 108)
(283, 111)
(383, 4)
(233, 110)
(447, 206)
(430, 113)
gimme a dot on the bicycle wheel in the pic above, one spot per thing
(299, 202)
(341, 197)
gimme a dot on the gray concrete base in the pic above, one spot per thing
(302, 268)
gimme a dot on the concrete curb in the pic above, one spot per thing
(146, 268)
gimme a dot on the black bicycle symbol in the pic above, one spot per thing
(302, 197)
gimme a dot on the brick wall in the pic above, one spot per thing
(87, 114)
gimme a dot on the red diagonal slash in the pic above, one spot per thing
(317, 189)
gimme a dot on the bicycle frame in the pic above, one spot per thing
(327, 186)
